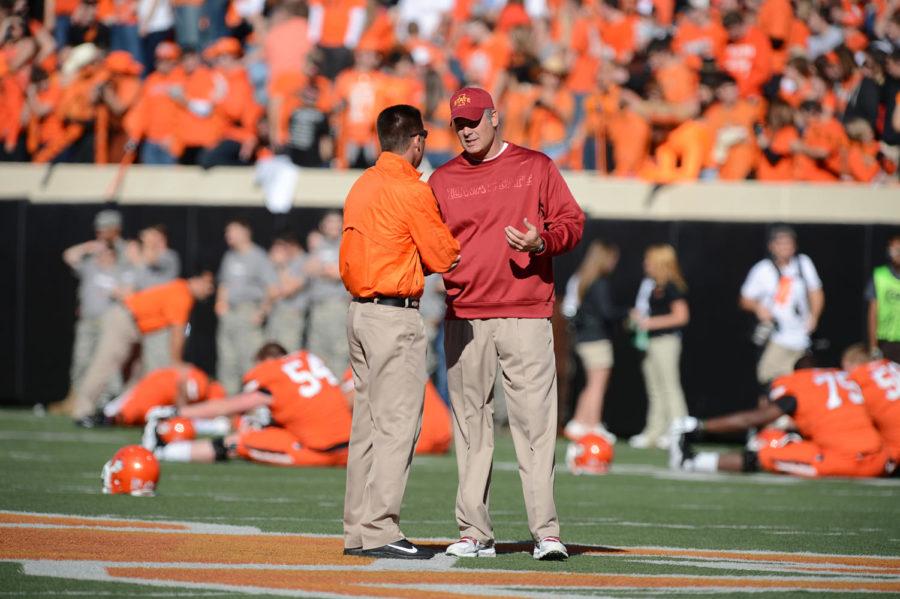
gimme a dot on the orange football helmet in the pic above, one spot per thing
(176, 429)
(132, 470)
(772, 437)
(591, 454)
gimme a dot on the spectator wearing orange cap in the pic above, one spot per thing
(237, 109)
(817, 155)
(336, 26)
(154, 118)
(775, 161)
(118, 95)
(747, 56)
(731, 120)
(699, 36)
(361, 90)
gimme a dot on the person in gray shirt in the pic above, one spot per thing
(328, 298)
(152, 262)
(97, 264)
(247, 284)
(287, 318)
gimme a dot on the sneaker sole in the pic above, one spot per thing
(391, 555)
(552, 556)
(479, 553)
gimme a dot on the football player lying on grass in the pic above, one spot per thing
(838, 437)
(172, 386)
(301, 417)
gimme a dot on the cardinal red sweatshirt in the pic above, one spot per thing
(477, 201)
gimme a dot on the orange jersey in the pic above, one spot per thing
(823, 134)
(198, 121)
(830, 410)
(695, 42)
(364, 96)
(880, 385)
(306, 399)
(749, 61)
(782, 169)
(161, 306)
(161, 388)
(336, 19)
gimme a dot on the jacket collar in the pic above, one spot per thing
(396, 165)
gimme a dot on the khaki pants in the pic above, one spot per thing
(524, 347)
(87, 336)
(327, 337)
(776, 360)
(662, 376)
(285, 325)
(156, 350)
(118, 334)
(387, 355)
(238, 338)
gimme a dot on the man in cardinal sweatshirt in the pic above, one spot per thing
(511, 211)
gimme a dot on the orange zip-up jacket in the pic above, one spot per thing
(391, 227)
(161, 306)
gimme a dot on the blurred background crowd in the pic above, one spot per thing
(664, 90)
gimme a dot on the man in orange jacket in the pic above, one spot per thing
(392, 228)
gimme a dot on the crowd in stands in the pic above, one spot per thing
(665, 90)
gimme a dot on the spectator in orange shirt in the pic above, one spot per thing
(483, 55)
(167, 305)
(237, 108)
(817, 155)
(42, 99)
(199, 124)
(796, 83)
(286, 46)
(551, 112)
(775, 18)
(361, 90)
(336, 26)
(117, 96)
(619, 30)
(682, 156)
(699, 37)
(404, 81)
(677, 81)
(748, 55)
(154, 119)
(775, 162)
(862, 153)
(731, 120)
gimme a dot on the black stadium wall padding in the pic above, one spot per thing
(38, 296)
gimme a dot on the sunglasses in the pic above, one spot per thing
(423, 133)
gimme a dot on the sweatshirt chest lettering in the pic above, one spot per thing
(472, 190)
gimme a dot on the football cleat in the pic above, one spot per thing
(550, 549)
(681, 454)
(470, 547)
(592, 454)
(132, 470)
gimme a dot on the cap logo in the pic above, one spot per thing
(461, 100)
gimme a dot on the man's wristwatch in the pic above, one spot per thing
(541, 249)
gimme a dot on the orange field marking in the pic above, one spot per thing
(116, 550)
(13, 518)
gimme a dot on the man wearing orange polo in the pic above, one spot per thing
(392, 228)
(123, 325)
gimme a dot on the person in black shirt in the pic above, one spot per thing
(309, 135)
(595, 315)
(661, 311)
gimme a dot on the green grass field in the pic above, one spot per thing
(48, 466)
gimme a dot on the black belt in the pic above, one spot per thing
(397, 302)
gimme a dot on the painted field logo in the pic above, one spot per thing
(243, 559)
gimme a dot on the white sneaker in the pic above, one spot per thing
(601, 430)
(470, 547)
(550, 548)
(639, 441)
(575, 430)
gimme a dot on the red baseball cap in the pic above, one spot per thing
(470, 103)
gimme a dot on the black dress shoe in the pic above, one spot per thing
(401, 549)
(354, 551)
